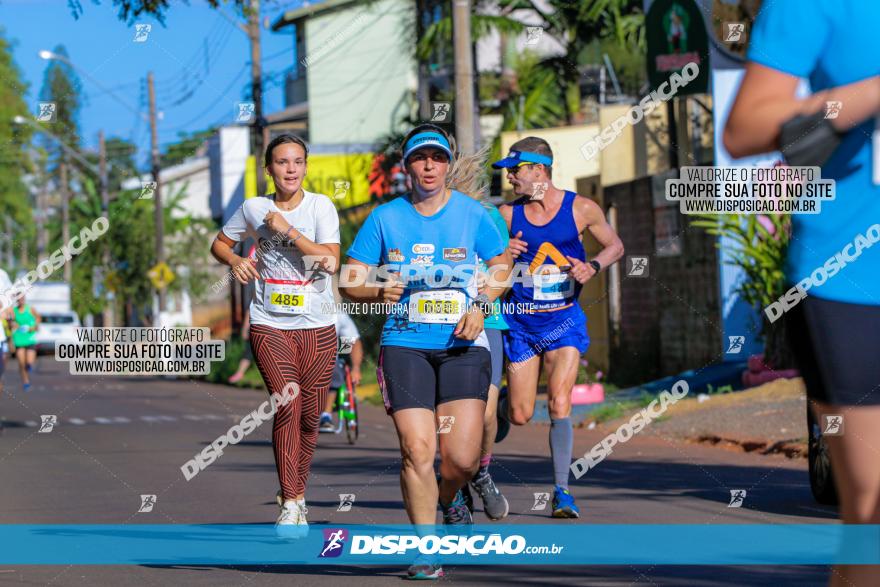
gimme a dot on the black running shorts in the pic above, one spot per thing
(421, 378)
(835, 347)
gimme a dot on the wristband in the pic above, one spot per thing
(288, 235)
(808, 140)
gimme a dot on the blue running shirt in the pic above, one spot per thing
(551, 292)
(426, 250)
(832, 44)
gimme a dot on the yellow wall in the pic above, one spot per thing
(322, 173)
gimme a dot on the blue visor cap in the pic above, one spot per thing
(514, 158)
(426, 139)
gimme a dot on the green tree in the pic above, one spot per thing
(759, 245)
(61, 86)
(15, 142)
(187, 146)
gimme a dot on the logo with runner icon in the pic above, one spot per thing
(737, 496)
(340, 189)
(346, 501)
(637, 267)
(446, 423)
(334, 541)
(346, 343)
(833, 425)
(735, 344)
(541, 500)
(733, 31)
(440, 111)
(395, 256)
(47, 423)
(147, 503)
(141, 32)
(46, 112)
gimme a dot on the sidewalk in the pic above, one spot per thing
(768, 419)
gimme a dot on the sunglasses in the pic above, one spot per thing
(436, 157)
(518, 168)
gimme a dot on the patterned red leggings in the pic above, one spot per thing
(305, 357)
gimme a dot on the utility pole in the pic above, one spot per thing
(157, 193)
(65, 216)
(253, 32)
(41, 223)
(107, 312)
(464, 76)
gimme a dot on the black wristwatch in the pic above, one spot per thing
(595, 265)
(483, 304)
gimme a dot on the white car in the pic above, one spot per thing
(56, 326)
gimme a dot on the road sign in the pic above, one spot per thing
(161, 275)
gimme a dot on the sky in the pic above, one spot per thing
(103, 48)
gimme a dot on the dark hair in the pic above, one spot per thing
(282, 139)
(427, 127)
(535, 145)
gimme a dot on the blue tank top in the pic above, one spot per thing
(543, 265)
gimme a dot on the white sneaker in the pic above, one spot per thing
(291, 521)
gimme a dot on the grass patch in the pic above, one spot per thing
(613, 410)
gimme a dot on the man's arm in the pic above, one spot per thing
(357, 359)
(589, 216)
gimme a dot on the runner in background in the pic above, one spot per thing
(247, 355)
(834, 332)
(25, 321)
(345, 330)
(5, 316)
(434, 364)
(495, 505)
(293, 338)
(549, 325)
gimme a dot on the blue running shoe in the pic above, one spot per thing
(563, 504)
(425, 568)
(27, 386)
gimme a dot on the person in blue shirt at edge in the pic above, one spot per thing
(434, 364)
(834, 331)
(542, 311)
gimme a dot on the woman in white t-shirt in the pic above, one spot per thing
(292, 331)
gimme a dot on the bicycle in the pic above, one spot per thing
(346, 408)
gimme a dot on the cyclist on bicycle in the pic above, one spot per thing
(350, 340)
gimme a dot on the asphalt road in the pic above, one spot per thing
(118, 438)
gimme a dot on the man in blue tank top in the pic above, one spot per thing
(542, 311)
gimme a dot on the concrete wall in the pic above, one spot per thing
(228, 151)
(361, 74)
(670, 321)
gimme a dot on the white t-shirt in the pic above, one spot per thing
(345, 326)
(5, 284)
(288, 296)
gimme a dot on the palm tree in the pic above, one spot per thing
(574, 24)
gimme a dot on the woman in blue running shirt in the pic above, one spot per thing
(434, 365)
(835, 329)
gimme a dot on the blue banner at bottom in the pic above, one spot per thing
(550, 544)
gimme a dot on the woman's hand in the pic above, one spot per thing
(244, 269)
(392, 291)
(470, 326)
(275, 221)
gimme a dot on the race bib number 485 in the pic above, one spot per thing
(285, 297)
